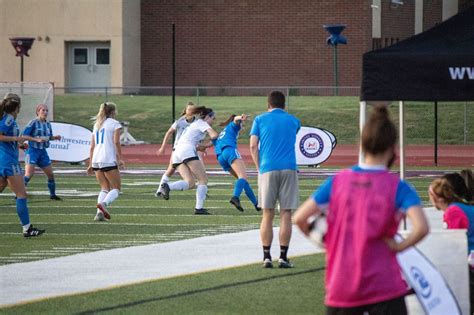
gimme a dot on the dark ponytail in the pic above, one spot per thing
(379, 133)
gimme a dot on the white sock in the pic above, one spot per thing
(179, 185)
(26, 227)
(201, 192)
(111, 196)
(101, 197)
(164, 179)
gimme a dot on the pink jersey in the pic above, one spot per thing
(361, 268)
(455, 218)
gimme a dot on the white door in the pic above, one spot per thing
(89, 66)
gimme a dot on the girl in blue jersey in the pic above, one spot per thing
(38, 132)
(230, 160)
(9, 167)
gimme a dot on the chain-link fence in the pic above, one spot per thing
(149, 110)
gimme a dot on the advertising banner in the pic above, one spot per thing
(313, 145)
(74, 144)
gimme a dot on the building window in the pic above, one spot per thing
(103, 56)
(80, 56)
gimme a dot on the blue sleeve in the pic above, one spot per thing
(3, 126)
(236, 127)
(406, 196)
(322, 194)
(255, 131)
(28, 129)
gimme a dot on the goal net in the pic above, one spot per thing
(31, 94)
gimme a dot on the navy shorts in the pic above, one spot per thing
(228, 155)
(38, 157)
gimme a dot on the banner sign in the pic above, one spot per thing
(74, 145)
(313, 145)
(431, 289)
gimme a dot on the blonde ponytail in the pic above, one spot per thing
(106, 110)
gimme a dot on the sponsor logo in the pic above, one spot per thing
(311, 145)
(420, 282)
(459, 73)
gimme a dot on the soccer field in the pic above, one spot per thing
(139, 218)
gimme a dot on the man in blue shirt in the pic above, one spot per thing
(272, 145)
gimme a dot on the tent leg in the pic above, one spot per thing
(362, 120)
(402, 139)
(436, 133)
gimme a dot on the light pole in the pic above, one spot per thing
(333, 40)
(22, 45)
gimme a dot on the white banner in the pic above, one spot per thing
(431, 289)
(74, 144)
(313, 145)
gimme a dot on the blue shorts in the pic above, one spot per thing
(38, 157)
(228, 155)
(10, 170)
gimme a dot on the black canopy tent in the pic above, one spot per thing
(436, 65)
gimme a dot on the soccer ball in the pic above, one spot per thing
(318, 227)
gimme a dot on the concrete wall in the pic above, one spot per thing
(55, 22)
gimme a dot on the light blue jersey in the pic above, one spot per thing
(8, 150)
(38, 128)
(276, 131)
(227, 138)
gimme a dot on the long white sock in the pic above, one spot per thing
(111, 196)
(201, 192)
(164, 179)
(179, 185)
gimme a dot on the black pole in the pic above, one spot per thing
(21, 68)
(436, 133)
(174, 75)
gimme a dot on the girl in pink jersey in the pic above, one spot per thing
(364, 206)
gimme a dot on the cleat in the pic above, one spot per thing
(258, 208)
(284, 263)
(33, 232)
(102, 208)
(55, 197)
(158, 194)
(99, 217)
(165, 191)
(201, 211)
(267, 263)
(236, 202)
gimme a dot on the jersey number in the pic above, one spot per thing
(100, 139)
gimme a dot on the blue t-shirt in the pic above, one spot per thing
(228, 137)
(276, 131)
(405, 198)
(38, 128)
(8, 150)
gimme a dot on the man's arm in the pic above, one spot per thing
(254, 150)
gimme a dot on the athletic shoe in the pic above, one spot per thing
(99, 217)
(165, 191)
(201, 211)
(267, 263)
(284, 263)
(33, 232)
(158, 194)
(102, 208)
(236, 202)
(54, 197)
(258, 208)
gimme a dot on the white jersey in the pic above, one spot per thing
(180, 125)
(104, 151)
(192, 135)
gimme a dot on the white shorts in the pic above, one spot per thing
(183, 154)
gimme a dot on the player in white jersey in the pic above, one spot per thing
(177, 128)
(106, 157)
(186, 160)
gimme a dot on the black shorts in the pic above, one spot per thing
(105, 169)
(185, 161)
(395, 306)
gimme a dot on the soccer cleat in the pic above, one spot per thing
(267, 263)
(165, 191)
(33, 232)
(284, 263)
(158, 194)
(201, 211)
(102, 208)
(258, 208)
(236, 202)
(55, 197)
(99, 217)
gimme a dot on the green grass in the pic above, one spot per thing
(150, 116)
(138, 218)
